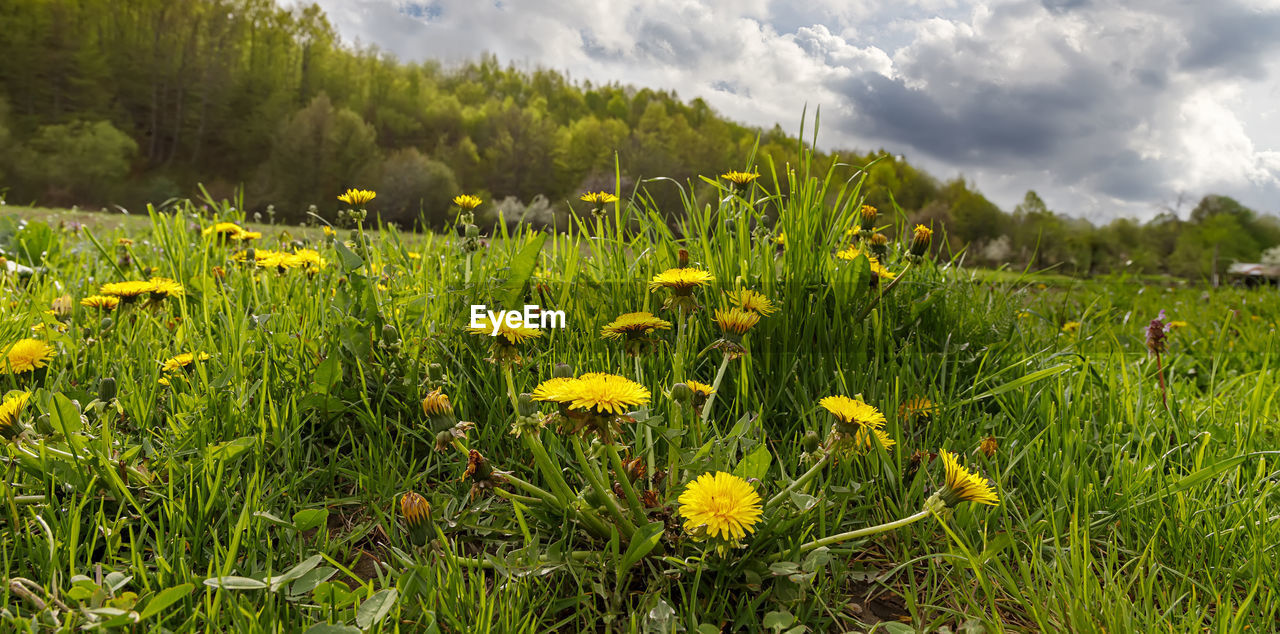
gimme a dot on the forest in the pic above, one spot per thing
(117, 105)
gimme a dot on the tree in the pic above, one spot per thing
(411, 184)
(319, 152)
(70, 163)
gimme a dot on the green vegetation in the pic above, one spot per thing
(246, 453)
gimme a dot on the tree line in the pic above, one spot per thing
(110, 103)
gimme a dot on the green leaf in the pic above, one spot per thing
(642, 542)
(327, 375)
(234, 583)
(308, 519)
(231, 449)
(311, 580)
(755, 465)
(295, 572)
(64, 415)
(521, 269)
(803, 501)
(778, 620)
(376, 608)
(350, 261)
(166, 598)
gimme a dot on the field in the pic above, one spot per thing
(299, 431)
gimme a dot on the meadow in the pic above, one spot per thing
(769, 416)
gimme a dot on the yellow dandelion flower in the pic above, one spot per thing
(309, 259)
(781, 239)
(124, 242)
(1071, 327)
(633, 324)
(224, 229)
(720, 505)
(599, 198)
(415, 508)
(853, 412)
(554, 390)
(700, 389)
(61, 305)
(467, 201)
(918, 407)
(26, 355)
(10, 410)
(101, 302)
(681, 281)
(736, 321)
(921, 236)
(126, 291)
(752, 301)
(1175, 325)
(245, 236)
(989, 446)
(183, 360)
(606, 394)
(862, 440)
(740, 178)
(357, 197)
(963, 485)
(414, 255)
(165, 287)
(436, 403)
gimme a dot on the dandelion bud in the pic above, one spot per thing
(525, 405)
(435, 371)
(390, 335)
(106, 388)
(471, 231)
(682, 258)
(811, 441)
(562, 371)
(250, 255)
(417, 516)
(880, 246)
(105, 323)
(920, 239)
(478, 467)
(868, 214)
(681, 392)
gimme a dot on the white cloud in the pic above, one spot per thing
(1100, 107)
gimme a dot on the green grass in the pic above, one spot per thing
(259, 490)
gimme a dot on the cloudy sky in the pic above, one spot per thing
(1104, 107)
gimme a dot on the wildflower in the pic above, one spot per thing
(877, 270)
(126, 291)
(720, 505)
(921, 236)
(781, 239)
(61, 305)
(701, 392)
(101, 302)
(864, 440)
(963, 485)
(482, 474)
(417, 516)
(245, 236)
(879, 245)
(357, 197)
(635, 328)
(598, 198)
(467, 201)
(224, 231)
(1175, 325)
(124, 242)
(989, 446)
(10, 410)
(736, 321)
(681, 282)
(182, 361)
(740, 179)
(867, 214)
(165, 287)
(1155, 334)
(26, 355)
(852, 414)
(752, 301)
(593, 402)
(1071, 327)
(1022, 314)
(918, 409)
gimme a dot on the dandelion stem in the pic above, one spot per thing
(799, 482)
(637, 509)
(863, 532)
(511, 388)
(598, 483)
(715, 389)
